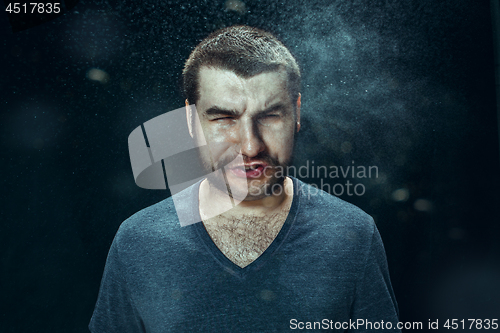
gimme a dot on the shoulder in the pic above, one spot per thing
(316, 201)
(156, 224)
(319, 210)
(337, 233)
(155, 219)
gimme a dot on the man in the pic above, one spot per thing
(266, 256)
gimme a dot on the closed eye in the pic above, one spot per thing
(270, 116)
(222, 118)
(270, 119)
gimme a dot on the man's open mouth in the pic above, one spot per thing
(252, 170)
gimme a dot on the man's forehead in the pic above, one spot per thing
(218, 85)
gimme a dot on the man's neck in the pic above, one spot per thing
(244, 232)
(213, 202)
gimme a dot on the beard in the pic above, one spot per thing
(221, 176)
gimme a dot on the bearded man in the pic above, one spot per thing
(266, 256)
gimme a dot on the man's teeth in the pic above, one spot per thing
(252, 167)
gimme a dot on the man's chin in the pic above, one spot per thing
(256, 188)
(248, 189)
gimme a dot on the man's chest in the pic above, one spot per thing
(242, 241)
(195, 291)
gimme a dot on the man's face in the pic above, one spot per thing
(253, 117)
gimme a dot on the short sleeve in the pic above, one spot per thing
(114, 310)
(375, 307)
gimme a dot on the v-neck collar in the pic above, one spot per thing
(255, 265)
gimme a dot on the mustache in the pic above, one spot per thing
(263, 157)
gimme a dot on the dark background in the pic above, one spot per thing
(407, 86)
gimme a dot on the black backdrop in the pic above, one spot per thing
(407, 86)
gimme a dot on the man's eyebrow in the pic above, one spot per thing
(215, 110)
(275, 107)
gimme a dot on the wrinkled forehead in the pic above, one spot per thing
(225, 88)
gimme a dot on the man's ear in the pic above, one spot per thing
(298, 112)
(189, 118)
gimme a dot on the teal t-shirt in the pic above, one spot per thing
(325, 271)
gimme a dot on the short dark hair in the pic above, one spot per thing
(244, 50)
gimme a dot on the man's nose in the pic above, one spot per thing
(250, 139)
